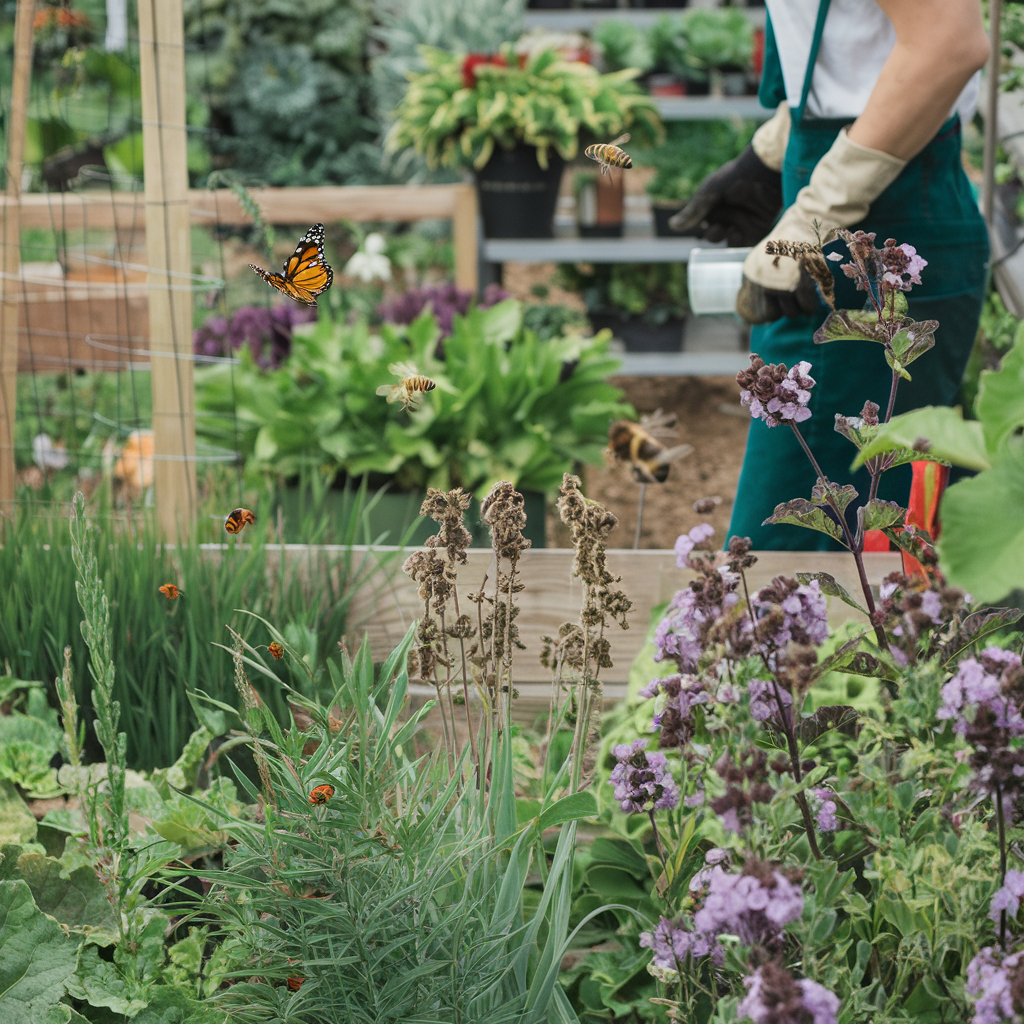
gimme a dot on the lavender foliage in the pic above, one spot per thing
(1008, 896)
(266, 332)
(642, 779)
(996, 982)
(775, 997)
(445, 300)
(672, 942)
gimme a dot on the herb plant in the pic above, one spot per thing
(654, 291)
(460, 108)
(507, 405)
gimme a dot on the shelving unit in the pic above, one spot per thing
(589, 250)
(711, 108)
(585, 20)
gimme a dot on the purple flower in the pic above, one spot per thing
(991, 982)
(688, 541)
(671, 942)
(827, 820)
(755, 905)
(774, 996)
(1008, 896)
(689, 615)
(804, 611)
(445, 300)
(763, 703)
(266, 332)
(980, 684)
(775, 395)
(642, 779)
(675, 718)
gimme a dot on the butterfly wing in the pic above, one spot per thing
(274, 280)
(306, 273)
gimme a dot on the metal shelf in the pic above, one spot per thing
(710, 108)
(584, 21)
(589, 250)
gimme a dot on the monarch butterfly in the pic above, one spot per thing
(608, 155)
(170, 591)
(294, 984)
(238, 519)
(321, 794)
(409, 389)
(306, 273)
(276, 650)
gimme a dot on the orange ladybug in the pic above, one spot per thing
(238, 519)
(321, 795)
(276, 650)
(170, 591)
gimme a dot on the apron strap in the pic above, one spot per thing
(812, 59)
(772, 90)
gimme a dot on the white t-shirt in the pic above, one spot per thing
(856, 42)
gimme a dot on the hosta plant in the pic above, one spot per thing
(457, 111)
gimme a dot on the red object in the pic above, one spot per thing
(757, 55)
(876, 540)
(926, 487)
(474, 60)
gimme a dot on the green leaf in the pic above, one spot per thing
(879, 515)
(800, 512)
(912, 340)
(830, 586)
(36, 957)
(850, 325)
(940, 432)
(833, 494)
(573, 807)
(981, 547)
(99, 983)
(79, 901)
(17, 825)
(1000, 403)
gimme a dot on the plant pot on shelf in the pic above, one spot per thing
(663, 211)
(517, 196)
(638, 334)
(393, 512)
(599, 205)
(666, 85)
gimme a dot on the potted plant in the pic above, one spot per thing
(719, 49)
(514, 119)
(642, 304)
(690, 152)
(600, 209)
(670, 74)
(506, 406)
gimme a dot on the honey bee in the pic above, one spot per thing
(170, 591)
(410, 389)
(238, 520)
(276, 650)
(608, 155)
(638, 444)
(321, 794)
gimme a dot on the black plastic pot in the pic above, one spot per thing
(600, 230)
(517, 196)
(638, 334)
(662, 214)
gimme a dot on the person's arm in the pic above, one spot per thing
(939, 45)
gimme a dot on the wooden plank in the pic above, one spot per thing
(23, 25)
(169, 259)
(386, 605)
(300, 206)
(465, 239)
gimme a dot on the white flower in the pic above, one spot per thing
(370, 263)
(46, 454)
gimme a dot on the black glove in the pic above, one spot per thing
(759, 305)
(739, 202)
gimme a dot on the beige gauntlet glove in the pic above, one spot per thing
(847, 180)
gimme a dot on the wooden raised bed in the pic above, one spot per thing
(384, 607)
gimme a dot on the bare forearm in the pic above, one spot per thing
(939, 45)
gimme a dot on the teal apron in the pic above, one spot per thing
(931, 206)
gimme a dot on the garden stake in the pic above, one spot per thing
(639, 516)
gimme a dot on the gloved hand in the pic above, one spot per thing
(740, 201)
(844, 184)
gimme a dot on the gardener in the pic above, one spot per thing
(870, 96)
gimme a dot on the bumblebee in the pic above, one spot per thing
(321, 794)
(170, 591)
(608, 155)
(238, 520)
(639, 445)
(410, 389)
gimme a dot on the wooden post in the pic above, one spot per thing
(169, 256)
(11, 260)
(464, 239)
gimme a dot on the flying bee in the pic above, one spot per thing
(410, 389)
(238, 520)
(608, 155)
(639, 445)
